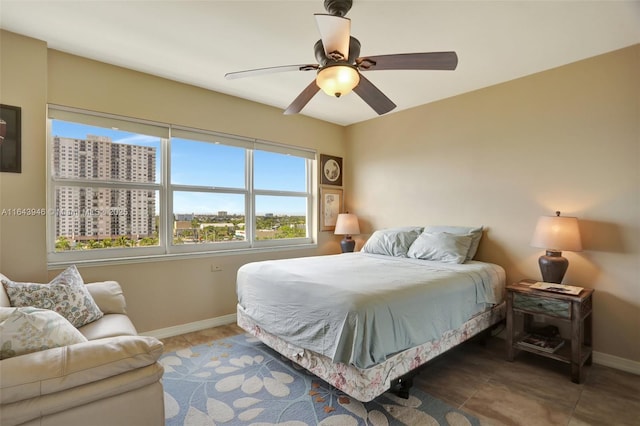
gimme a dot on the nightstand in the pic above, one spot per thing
(574, 310)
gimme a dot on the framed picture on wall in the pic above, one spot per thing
(10, 139)
(330, 170)
(330, 206)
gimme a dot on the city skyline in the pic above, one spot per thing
(191, 164)
(93, 214)
(88, 212)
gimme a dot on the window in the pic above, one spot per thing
(120, 187)
(280, 195)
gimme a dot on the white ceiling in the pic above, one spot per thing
(197, 42)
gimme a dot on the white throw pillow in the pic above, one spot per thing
(474, 233)
(66, 294)
(26, 330)
(392, 241)
(441, 246)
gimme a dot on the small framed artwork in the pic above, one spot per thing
(330, 206)
(330, 170)
(10, 139)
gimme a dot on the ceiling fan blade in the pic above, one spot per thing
(409, 61)
(373, 96)
(302, 99)
(270, 70)
(334, 32)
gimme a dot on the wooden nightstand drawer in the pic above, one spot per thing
(559, 308)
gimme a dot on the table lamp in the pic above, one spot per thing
(555, 234)
(347, 225)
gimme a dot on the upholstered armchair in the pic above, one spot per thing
(110, 376)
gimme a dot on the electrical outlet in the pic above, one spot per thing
(216, 268)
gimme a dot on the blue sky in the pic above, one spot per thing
(212, 165)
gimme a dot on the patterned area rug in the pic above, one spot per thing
(241, 381)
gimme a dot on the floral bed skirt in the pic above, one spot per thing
(366, 384)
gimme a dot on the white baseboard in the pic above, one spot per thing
(616, 362)
(163, 333)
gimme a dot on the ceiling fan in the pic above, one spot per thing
(340, 64)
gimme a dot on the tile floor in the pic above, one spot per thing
(530, 391)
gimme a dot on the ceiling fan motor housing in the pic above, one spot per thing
(323, 60)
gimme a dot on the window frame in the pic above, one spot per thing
(166, 189)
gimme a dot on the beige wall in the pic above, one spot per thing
(567, 139)
(159, 294)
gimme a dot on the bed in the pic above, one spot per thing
(364, 321)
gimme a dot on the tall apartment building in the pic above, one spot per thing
(94, 213)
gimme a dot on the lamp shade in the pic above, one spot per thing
(347, 224)
(337, 80)
(557, 233)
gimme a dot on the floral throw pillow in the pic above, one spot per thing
(26, 330)
(66, 294)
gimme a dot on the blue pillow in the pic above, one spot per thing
(441, 246)
(392, 241)
(474, 233)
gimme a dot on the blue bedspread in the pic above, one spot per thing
(360, 308)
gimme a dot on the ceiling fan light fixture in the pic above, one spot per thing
(337, 80)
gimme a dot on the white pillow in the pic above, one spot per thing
(474, 233)
(66, 294)
(26, 330)
(392, 241)
(441, 246)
